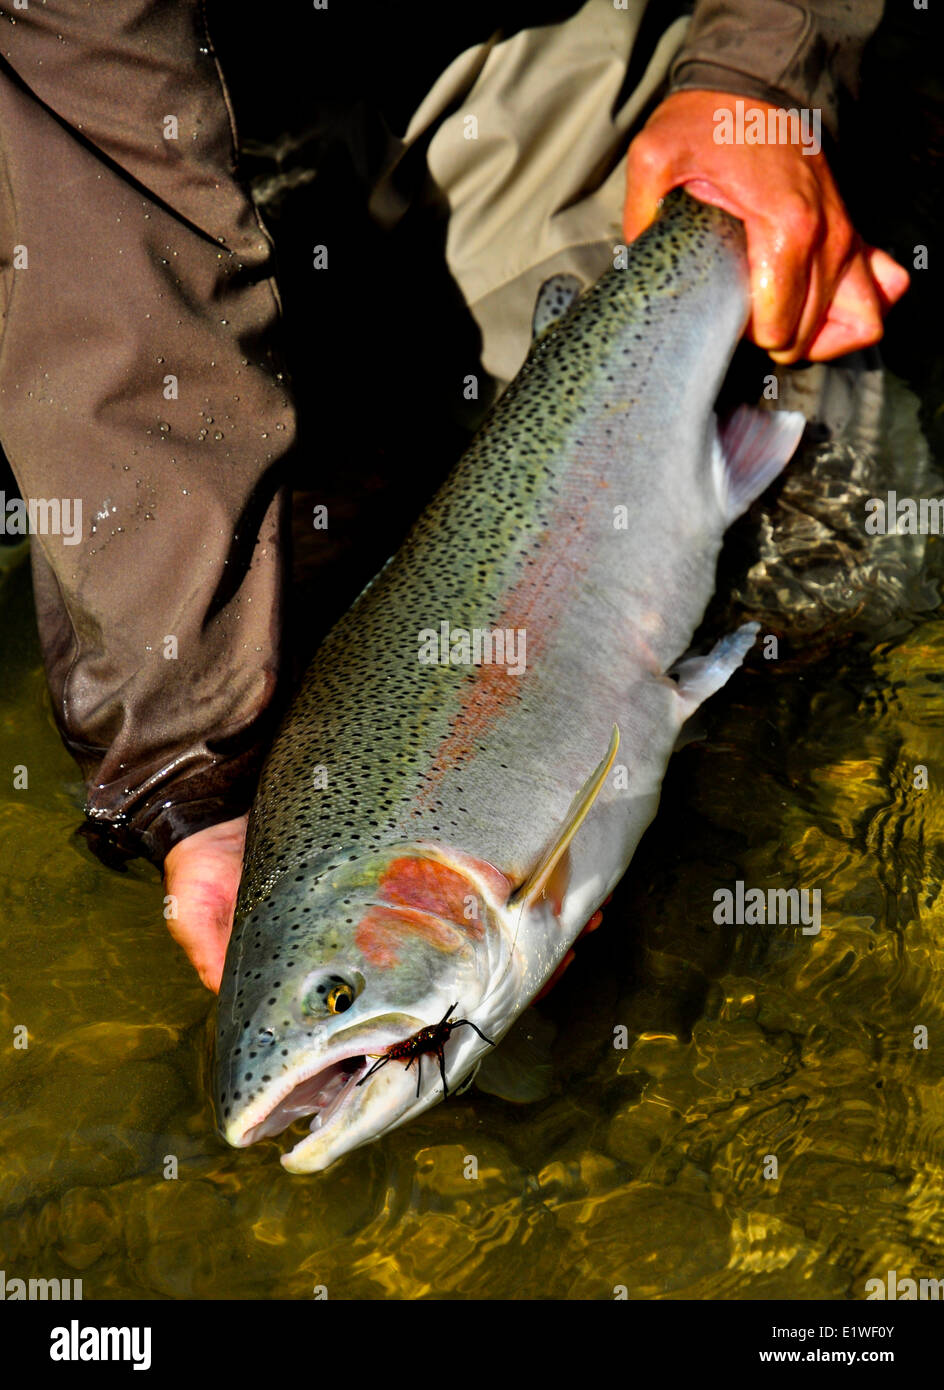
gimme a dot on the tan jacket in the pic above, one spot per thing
(525, 136)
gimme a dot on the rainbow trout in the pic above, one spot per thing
(479, 744)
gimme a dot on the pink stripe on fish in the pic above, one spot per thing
(533, 604)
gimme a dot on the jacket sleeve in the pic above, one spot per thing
(796, 54)
(141, 404)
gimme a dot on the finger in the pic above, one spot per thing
(211, 971)
(650, 173)
(205, 955)
(838, 269)
(593, 923)
(781, 267)
(855, 315)
(815, 311)
(203, 933)
(891, 279)
(863, 297)
(201, 874)
(834, 339)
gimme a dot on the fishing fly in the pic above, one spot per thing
(432, 1039)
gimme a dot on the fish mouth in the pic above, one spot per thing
(318, 1091)
(318, 1095)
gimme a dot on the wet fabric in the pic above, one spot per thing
(781, 51)
(137, 362)
(136, 376)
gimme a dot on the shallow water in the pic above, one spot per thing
(645, 1167)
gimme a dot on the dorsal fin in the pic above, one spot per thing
(554, 299)
(577, 814)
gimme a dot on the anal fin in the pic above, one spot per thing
(699, 677)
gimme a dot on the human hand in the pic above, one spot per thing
(817, 290)
(202, 872)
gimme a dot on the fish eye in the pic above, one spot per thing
(326, 992)
(339, 998)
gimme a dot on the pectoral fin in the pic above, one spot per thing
(580, 807)
(520, 1068)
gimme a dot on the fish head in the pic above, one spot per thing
(335, 966)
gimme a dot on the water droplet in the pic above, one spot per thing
(164, 427)
(217, 434)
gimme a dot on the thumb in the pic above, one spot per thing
(649, 176)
